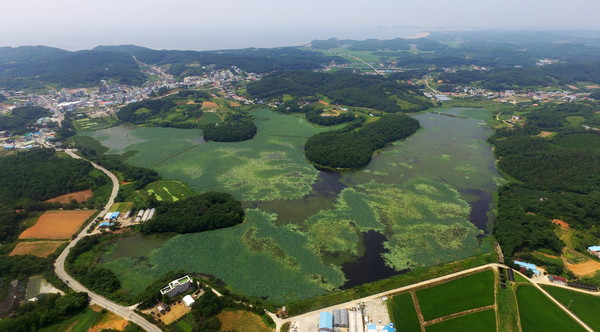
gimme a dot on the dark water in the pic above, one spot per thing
(479, 208)
(371, 266)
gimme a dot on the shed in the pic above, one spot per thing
(326, 322)
(558, 280)
(188, 301)
(528, 266)
(371, 327)
(104, 225)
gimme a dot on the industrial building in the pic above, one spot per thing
(340, 318)
(177, 287)
(325, 322)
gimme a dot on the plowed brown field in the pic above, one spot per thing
(80, 196)
(37, 248)
(57, 224)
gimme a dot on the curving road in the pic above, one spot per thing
(59, 265)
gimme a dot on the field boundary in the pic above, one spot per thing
(175, 154)
(418, 310)
(458, 314)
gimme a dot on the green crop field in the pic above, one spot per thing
(483, 321)
(209, 117)
(91, 124)
(538, 313)
(81, 322)
(403, 313)
(121, 207)
(584, 306)
(458, 295)
(164, 190)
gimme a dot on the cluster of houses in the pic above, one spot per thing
(344, 320)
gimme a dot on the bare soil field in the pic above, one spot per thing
(593, 86)
(209, 104)
(176, 311)
(561, 223)
(545, 134)
(586, 269)
(57, 224)
(37, 248)
(80, 197)
(109, 321)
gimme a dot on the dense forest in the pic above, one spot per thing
(557, 178)
(200, 213)
(72, 69)
(22, 119)
(235, 128)
(40, 174)
(48, 309)
(344, 88)
(354, 148)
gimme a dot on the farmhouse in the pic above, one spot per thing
(594, 250)
(558, 280)
(177, 287)
(528, 266)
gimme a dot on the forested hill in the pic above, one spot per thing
(377, 92)
(258, 60)
(351, 148)
(518, 78)
(557, 179)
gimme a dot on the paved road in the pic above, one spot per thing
(353, 303)
(125, 312)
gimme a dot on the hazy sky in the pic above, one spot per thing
(214, 24)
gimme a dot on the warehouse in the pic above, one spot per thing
(325, 322)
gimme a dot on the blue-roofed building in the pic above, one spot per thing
(389, 328)
(528, 266)
(594, 250)
(9, 147)
(104, 225)
(326, 322)
(115, 215)
(371, 327)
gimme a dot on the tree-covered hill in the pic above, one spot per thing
(21, 119)
(200, 213)
(353, 148)
(82, 68)
(377, 92)
(258, 60)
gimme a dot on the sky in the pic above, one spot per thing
(220, 24)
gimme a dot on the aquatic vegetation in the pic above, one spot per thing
(255, 258)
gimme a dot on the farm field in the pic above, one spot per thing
(36, 248)
(109, 321)
(57, 224)
(538, 313)
(403, 314)
(458, 295)
(81, 322)
(164, 190)
(483, 321)
(80, 196)
(94, 123)
(121, 207)
(585, 306)
(242, 321)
